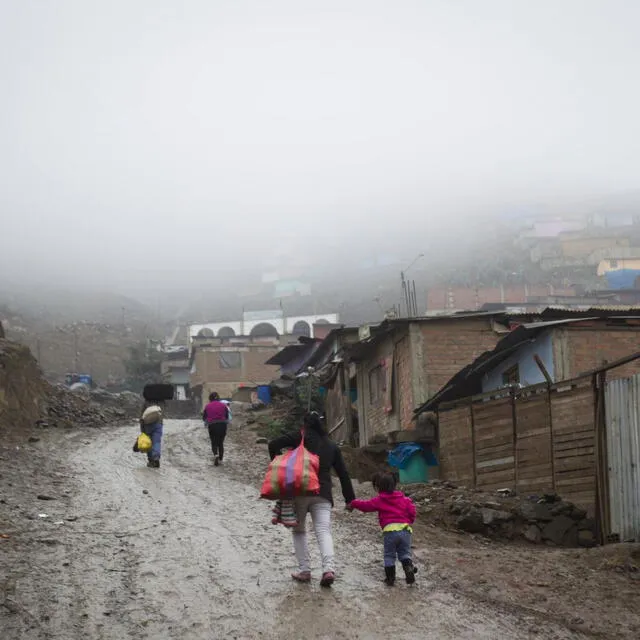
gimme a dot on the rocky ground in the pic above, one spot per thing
(27, 400)
(94, 545)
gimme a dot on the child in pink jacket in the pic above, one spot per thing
(396, 514)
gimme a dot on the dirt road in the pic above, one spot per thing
(188, 551)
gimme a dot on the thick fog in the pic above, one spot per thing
(153, 141)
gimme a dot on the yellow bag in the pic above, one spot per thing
(144, 443)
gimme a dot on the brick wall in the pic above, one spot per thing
(450, 345)
(376, 421)
(582, 247)
(422, 365)
(590, 348)
(404, 385)
(252, 371)
(470, 298)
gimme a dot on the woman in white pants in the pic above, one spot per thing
(316, 441)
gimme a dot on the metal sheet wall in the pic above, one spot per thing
(622, 398)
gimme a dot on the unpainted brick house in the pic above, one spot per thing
(404, 362)
(227, 364)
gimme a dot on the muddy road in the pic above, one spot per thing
(189, 552)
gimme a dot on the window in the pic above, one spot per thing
(613, 264)
(377, 384)
(230, 360)
(511, 375)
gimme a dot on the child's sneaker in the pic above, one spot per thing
(410, 571)
(390, 573)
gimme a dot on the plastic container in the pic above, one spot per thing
(264, 394)
(415, 471)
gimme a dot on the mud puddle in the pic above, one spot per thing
(188, 551)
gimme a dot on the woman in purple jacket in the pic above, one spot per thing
(216, 417)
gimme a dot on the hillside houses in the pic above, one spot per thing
(535, 402)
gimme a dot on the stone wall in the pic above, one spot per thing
(549, 521)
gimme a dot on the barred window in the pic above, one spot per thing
(230, 360)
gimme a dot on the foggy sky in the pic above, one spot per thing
(143, 139)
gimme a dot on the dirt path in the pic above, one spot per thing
(189, 552)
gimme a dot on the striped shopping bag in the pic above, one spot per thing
(292, 474)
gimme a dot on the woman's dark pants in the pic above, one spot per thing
(217, 433)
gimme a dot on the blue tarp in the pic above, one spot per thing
(399, 457)
(622, 278)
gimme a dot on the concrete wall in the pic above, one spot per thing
(529, 371)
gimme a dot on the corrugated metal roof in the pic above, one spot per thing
(552, 323)
(617, 307)
(458, 315)
(594, 308)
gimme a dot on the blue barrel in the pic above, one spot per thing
(264, 394)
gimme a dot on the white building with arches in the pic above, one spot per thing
(262, 324)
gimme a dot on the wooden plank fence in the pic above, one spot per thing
(531, 441)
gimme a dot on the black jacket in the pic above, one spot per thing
(330, 458)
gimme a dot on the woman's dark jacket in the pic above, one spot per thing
(330, 458)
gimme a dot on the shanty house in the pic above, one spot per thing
(550, 349)
(400, 363)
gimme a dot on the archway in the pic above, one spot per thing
(226, 332)
(264, 330)
(322, 321)
(301, 328)
(205, 332)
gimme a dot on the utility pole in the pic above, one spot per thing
(408, 290)
(309, 388)
(75, 348)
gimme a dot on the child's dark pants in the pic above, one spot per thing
(397, 543)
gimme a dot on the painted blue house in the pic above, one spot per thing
(520, 367)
